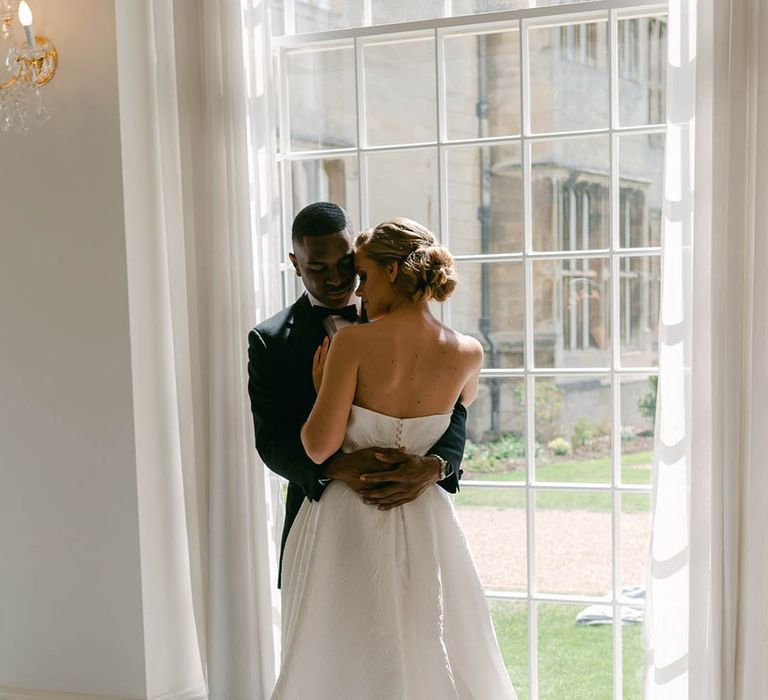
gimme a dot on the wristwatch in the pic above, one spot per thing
(445, 467)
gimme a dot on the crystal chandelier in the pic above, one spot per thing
(26, 68)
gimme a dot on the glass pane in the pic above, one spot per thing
(575, 660)
(638, 412)
(488, 305)
(322, 15)
(470, 7)
(571, 301)
(641, 170)
(572, 419)
(632, 656)
(482, 82)
(495, 447)
(403, 183)
(642, 46)
(485, 208)
(573, 542)
(639, 296)
(390, 11)
(569, 77)
(570, 193)
(321, 98)
(494, 522)
(399, 81)
(510, 618)
(635, 527)
(331, 180)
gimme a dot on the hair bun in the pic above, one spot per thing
(436, 277)
(426, 269)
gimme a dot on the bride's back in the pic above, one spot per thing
(412, 365)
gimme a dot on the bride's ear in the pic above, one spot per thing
(392, 269)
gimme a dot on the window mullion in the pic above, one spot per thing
(362, 161)
(613, 209)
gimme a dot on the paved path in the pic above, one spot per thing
(573, 548)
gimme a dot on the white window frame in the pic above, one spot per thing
(605, 10)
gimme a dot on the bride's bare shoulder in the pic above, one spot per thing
(467, 347)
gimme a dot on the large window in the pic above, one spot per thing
(530, 141)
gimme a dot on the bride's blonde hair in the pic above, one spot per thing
(426, 268)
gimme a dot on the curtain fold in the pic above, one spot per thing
(204, 115)
(244, 250)
(707, 621)
(666, 622)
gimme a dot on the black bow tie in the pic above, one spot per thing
(347, 312)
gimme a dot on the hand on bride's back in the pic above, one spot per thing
(393, 477)
(348, 467)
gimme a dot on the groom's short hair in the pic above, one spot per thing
(319, 219)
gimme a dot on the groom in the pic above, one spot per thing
(280, 352)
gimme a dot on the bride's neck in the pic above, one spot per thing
(411, 309)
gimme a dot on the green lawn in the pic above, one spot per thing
(574, 661)
(634, 470)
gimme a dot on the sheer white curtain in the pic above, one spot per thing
(196, 105)
(707, 624)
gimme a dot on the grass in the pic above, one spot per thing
(634, 470)
(574, 661)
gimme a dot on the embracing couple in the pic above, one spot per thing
(359, 400)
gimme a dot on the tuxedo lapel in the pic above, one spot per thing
(307, 331)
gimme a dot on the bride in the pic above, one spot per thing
(387, 604)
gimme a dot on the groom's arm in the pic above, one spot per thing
(451, 447)
(277, 433)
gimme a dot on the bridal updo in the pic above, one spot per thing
(425, 268)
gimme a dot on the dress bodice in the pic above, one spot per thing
(367, 428)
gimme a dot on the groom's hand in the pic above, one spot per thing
(348, 467)
(409, 476)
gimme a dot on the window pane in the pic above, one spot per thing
(482, 81)
(572, 419)
(494, 522)
(571, 302)
(321, 98)
(569, 77)
(399, 81)
(570, 193)
(331, 180)
(635, 527)
(389, 11)
(639, 296)
(510, 618)
(488, 305)
(470, 7)
(638, 413)
(403, 183)
(573, 542)
(641, 170)
(632, 657)
(575, 661)
(642, 63)
(322, 15)
(495, 446)
(485, 212)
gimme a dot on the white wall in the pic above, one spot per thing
(70, 594)
(71, 607)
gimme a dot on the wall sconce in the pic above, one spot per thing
(30, 65)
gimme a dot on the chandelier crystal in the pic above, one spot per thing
(26, 68)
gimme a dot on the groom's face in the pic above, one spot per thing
(326, 265)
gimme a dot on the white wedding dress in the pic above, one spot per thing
(385, 605)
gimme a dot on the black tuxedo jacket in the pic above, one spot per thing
(280, 352)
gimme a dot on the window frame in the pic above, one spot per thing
(611, 11)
